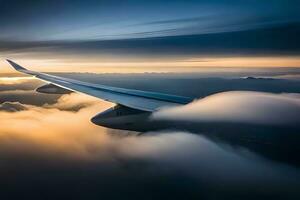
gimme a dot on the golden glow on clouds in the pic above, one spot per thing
(14, 80)
(54, 131)
(101, 65)
(51, 132)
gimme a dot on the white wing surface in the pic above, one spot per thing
(137, 99)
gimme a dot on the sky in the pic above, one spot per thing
(238, 139)
(139, 36)
(88, 20)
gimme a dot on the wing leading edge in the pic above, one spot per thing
(137, 99)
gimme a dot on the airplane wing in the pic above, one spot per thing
(137, 99)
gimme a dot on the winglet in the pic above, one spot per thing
(21, 69)
(15, 65)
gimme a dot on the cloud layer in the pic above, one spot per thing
(54, 150)
(238, 107)
(47, 145)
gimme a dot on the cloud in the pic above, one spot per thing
(29, 97)
(50, 129)
(62, 134)
(20, 83)
(48, 145)
(56, 146)
(73, 101)
(257, 78)
(12, 107)
(21, 90)
(16, 80)
(173, 42)
(238, 107)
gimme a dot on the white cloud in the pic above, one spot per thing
(243, 107)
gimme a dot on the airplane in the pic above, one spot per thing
(133, 107)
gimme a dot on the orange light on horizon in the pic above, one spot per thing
(171, 65)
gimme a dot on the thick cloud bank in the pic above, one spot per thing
(51, 149)
(240, 107)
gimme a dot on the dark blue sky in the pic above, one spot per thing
(81, 31)
(84, 20)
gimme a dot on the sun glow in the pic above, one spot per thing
(117, 65)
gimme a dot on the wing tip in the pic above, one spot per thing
(15, 65)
